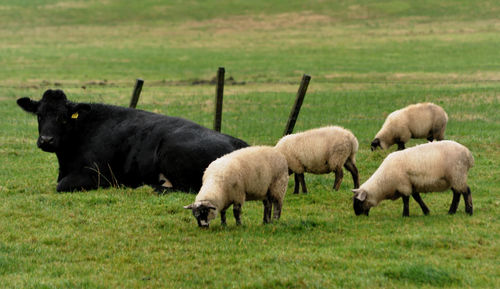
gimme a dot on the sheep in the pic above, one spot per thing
(253, 173)
(320, 151)
(430, 167)
(421, 120)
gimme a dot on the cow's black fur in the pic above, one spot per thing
(100, 145)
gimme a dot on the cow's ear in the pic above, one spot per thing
(27, 104)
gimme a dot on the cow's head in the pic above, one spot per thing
(203, 211)
(360, 202)
(57, 117)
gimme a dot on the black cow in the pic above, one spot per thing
(100, 145)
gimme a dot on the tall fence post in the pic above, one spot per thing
(219, 92)
(137, 92)
(301, 93)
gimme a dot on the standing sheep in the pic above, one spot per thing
(253, 173)
(421, 120)
(320, 151)
(431, 167)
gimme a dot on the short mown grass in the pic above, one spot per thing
(366, 59)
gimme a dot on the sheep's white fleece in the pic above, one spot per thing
(243, 175)
(318, 151)
(414, 121)
(430, 167)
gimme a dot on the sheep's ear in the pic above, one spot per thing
(359, 194)
(189, 207)
(212, 207)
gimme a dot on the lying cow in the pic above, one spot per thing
(100, 145)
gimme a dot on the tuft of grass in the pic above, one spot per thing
(423, 274)
(7, 265)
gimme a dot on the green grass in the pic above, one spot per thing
(366, 59)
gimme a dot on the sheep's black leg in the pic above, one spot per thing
(468, 201)
(302, 180)
(277, 209)
(351, 167)
(401, 145)
(297, 183)
(430, 136)
(406, 206)
(223, 217)
(267, 210)
(237, 213)
(416, 197)
(454, 202)
(339, 174)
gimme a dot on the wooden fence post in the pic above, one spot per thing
(219, 92)
(301, 93)
(137, 92)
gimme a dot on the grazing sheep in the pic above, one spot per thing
(421, 120)
(320, 151)
(253, 173)
(431, 167)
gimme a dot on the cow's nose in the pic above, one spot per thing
(46, 139)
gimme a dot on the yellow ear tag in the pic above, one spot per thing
(74, 115)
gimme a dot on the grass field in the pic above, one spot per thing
(366, 59)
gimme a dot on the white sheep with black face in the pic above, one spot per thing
(320, 151)
(421, 120)
(253, 173)
(431, 167)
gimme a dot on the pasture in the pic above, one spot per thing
(366, 59)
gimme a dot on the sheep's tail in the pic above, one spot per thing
(354, 149)
(470, 159)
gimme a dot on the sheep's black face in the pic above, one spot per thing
(359, 207)
(56, 118)
(375, 144)
(360, 203)
(203, 213)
